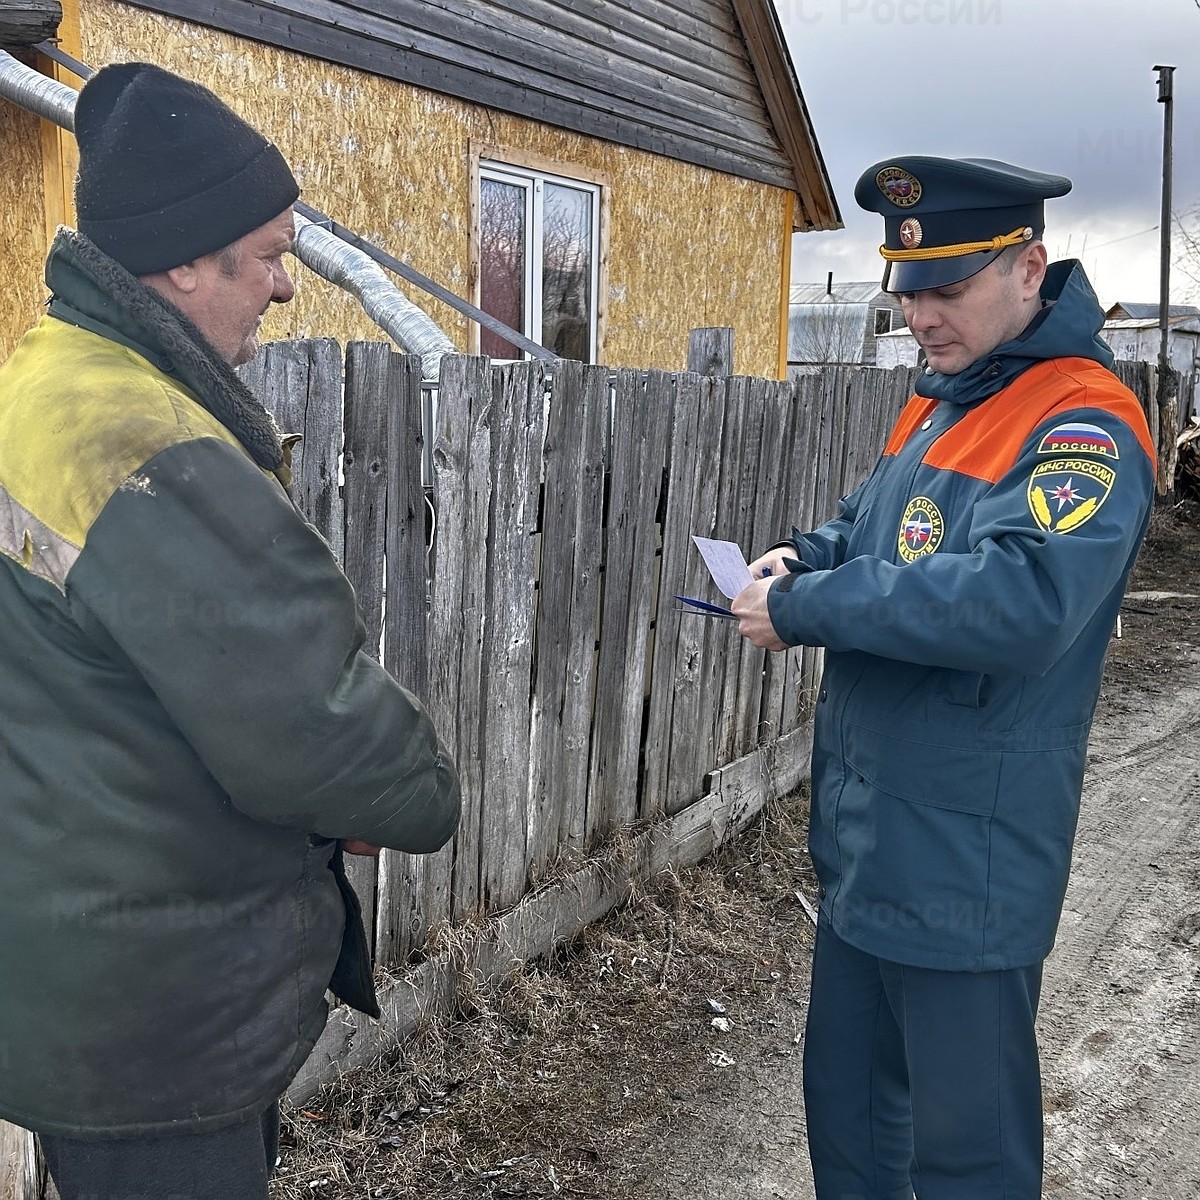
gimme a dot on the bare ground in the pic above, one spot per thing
(658, 1056)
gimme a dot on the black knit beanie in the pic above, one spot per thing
(167, 171)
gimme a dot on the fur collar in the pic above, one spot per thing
(94, 291)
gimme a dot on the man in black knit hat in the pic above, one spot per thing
(190, 731)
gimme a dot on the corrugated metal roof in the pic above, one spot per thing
(1185, 325)
(1137, 311)
(843, 293)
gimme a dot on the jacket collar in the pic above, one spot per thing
(1068, 326)
(93, 291)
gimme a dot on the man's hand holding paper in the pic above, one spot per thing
(750, 608)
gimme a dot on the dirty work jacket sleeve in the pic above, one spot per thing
(201, 576)
(1014, 600)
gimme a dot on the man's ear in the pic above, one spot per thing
(1032, 270)
(184, 278)
(175, 282)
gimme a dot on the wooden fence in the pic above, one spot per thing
(574, 694)
(528, 597)
(529, 593)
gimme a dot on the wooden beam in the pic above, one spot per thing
(24, 23)
(20, 1170)
(785, 283)
(60, 155)
(480, 954)
(789, 114)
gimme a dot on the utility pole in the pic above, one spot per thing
(1167, 420)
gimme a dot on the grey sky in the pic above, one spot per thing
(1062, 85)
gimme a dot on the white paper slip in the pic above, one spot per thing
(726, 563)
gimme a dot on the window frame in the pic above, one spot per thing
(521, 167)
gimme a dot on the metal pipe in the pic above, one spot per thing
(31, 90)
(1166, 97)
(406, 324)
(384, 259)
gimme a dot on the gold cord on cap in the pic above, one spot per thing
(1015, 238)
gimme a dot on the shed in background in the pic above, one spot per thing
(838, 323)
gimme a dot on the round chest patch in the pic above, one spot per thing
(921, 529)
(899, 186)
(910, 233)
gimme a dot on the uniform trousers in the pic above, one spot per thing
(921, 1081)
(233, 1163)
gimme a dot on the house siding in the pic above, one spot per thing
(687, 246)
(671, 79)
(22, 201)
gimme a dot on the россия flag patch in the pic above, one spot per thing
(1078, 437)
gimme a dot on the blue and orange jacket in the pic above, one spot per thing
(965, 595)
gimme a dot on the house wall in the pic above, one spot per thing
(687, 246)
(22, 201)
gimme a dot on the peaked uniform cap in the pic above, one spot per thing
(945, 219)
(168, 172)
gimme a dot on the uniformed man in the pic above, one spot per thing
(965, 595)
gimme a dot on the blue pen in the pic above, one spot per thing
(766, 571)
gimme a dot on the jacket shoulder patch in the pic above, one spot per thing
(1078, 437)
(1066, 492)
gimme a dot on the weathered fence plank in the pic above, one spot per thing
(764, 471)
(803, 667)
(675, 652)
(575, 455)
(733, 500)
(641, 419)
(760, 717)
(365, 468)
(690, 750)
(300, 384)
(20, 1171)
(518, 404)
(410, 886)
(710, 351)
(462, 468)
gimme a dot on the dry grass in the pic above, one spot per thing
(557, 1081)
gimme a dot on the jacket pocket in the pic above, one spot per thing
(956, 778)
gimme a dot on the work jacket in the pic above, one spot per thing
(965, 595)
(188, 724)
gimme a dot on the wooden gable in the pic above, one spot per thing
(708, 82)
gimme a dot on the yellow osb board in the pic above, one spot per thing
(24, 224)
(688, 246)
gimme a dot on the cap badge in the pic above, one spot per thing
(899, 186)
(910, 233)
